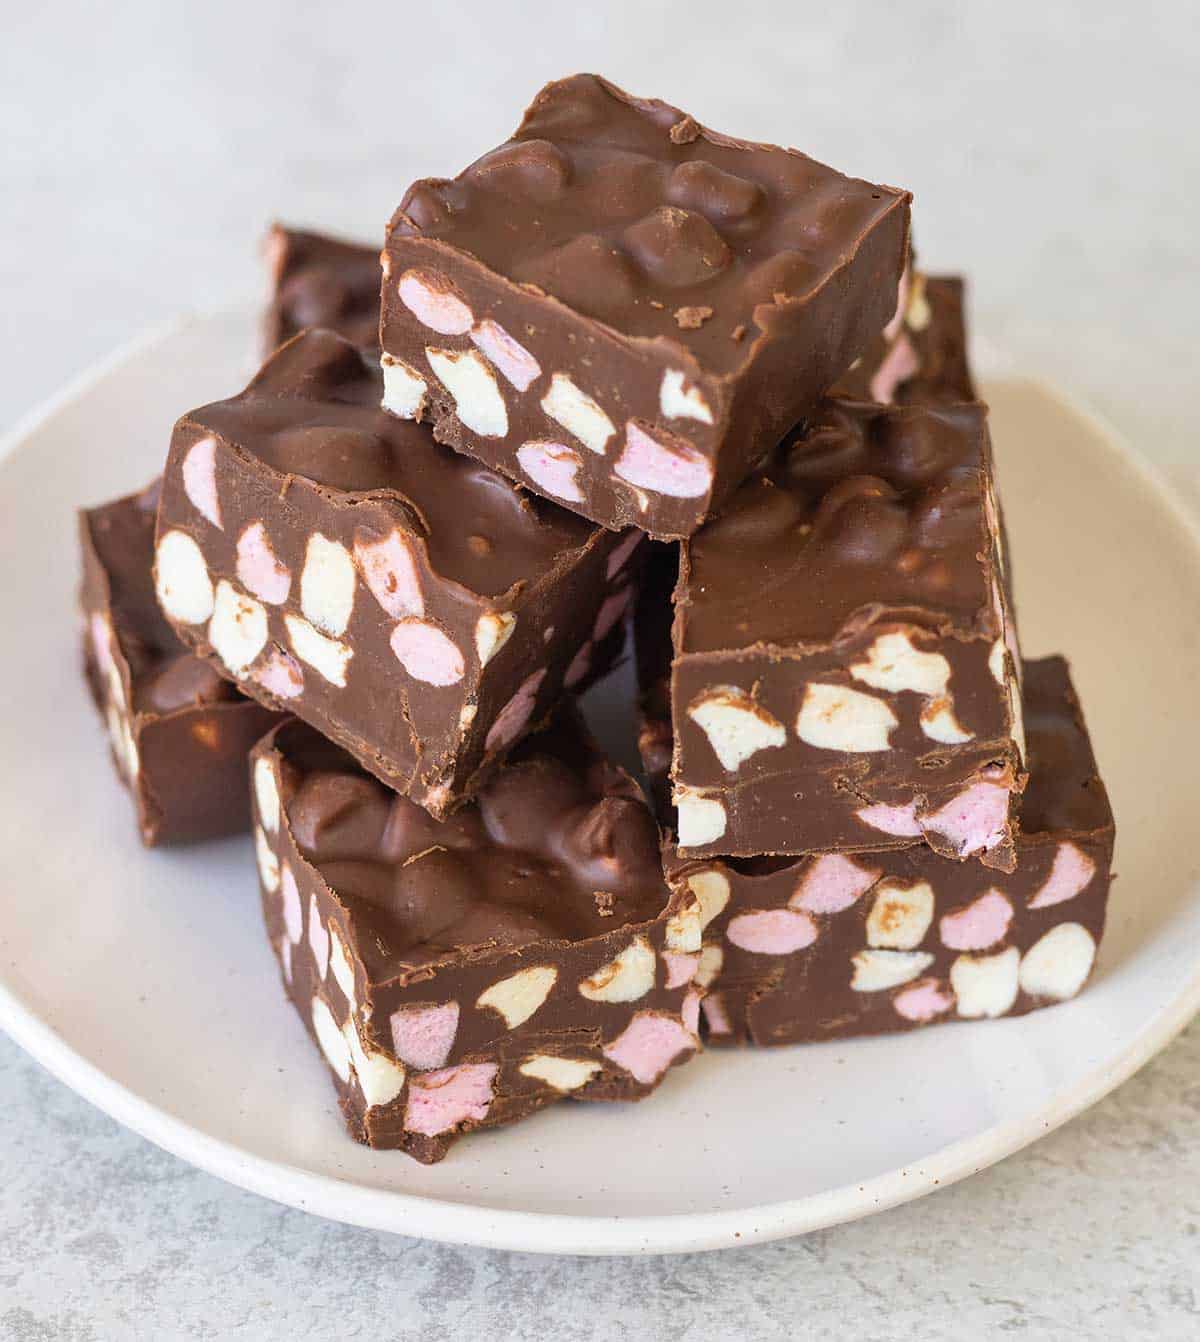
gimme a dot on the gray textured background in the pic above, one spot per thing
(1054, 155)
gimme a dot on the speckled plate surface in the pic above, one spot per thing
(143, 980)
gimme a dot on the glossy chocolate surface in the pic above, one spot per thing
(464, 973)
(626, 311)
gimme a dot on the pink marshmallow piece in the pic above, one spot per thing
(832, 883)
(715, 1015)
(318, 937)
(896, 366)
(1070, 875)
(681, 967)
(439, 1101)
(200, 480)
(434, 306)
(648, 1045)
(280, 674)
(102, 635)
(513, 718)
(973, 820)
(390, 572)
(554, 467)
(258, 570)
(426, 653)
(923, 1001)
(689, 1012)
(620, 556)
(981, 924)
(900, 821)
(581, 664)
(507, 354)
(423, 1036)
(772, 931)
(892, 329)
(679, 471)
(293, 914)
(611, 610)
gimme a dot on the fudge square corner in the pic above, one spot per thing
(846, 669)
(624, 310)
(336, 562)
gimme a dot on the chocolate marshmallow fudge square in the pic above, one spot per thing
(626, 311)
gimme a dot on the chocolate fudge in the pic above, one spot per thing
(464, 973)
(179, 732)
(626, 311)
(316, 280)
(836, 944)
(407, 601)
(846, 671)
(921, 355)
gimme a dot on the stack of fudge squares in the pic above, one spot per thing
(619, 366)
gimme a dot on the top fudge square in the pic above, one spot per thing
(409, 603)
(625, 311)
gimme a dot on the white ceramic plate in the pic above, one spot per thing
(143, 980)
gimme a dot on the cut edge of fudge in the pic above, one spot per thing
(836, 945)
(906, 640)
(424, 1048)
(315, 550)
(179, 741)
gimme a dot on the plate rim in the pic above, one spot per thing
(450, 1221)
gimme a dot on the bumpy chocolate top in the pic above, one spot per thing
(164, 677)
(1064, 791)
(874, 508)
(313, 411)
(320, 281)
(559, 846)
(634, 214)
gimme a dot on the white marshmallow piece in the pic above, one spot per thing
(266, 793)
(268, 862)
(325, 655)
(577, 413)
(900, 915)
(327, 585)
(939, 723)
(625, 979)
(985, 986)
(833, 717)
(403, 389)
(678, 401)
(735, 725)
(238, 628)
(492, 632)
(894, 664)
(181, 581)
(876, 970)
(379, 1078)
(701, 819)
(517, 997)
(1058, 964)
(470, 381)
(331, 1039)
(711, 888)
(563, 1074)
